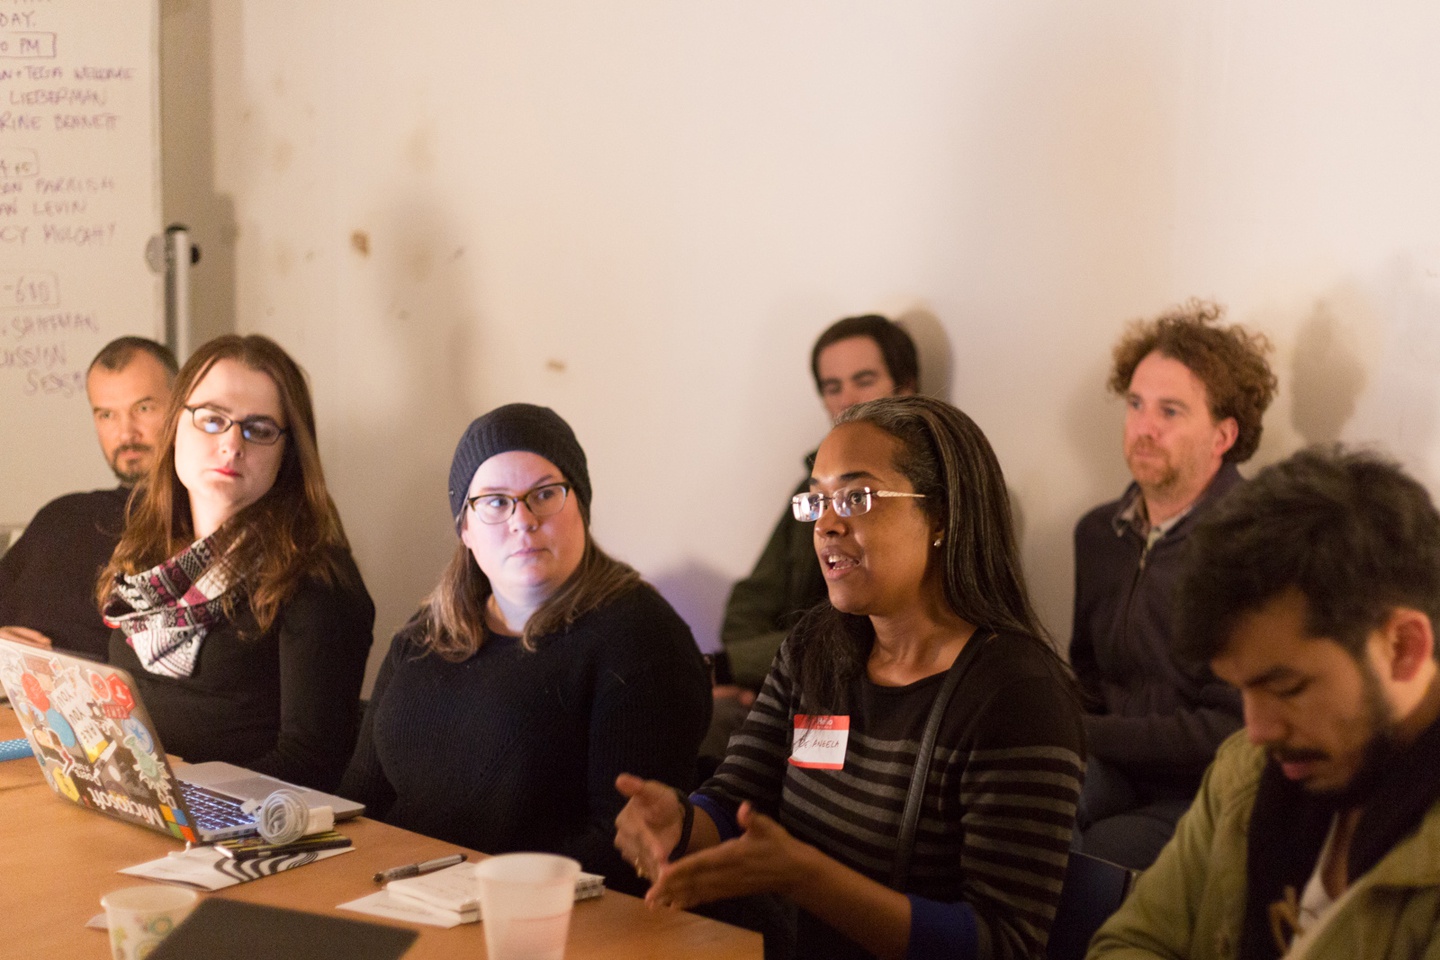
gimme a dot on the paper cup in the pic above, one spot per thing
(140, 917)
(525, 904)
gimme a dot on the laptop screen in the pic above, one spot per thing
(93, 738)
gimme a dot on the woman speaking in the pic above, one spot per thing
(928, 639)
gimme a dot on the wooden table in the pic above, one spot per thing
(59, 859)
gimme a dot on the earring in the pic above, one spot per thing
(937, 541)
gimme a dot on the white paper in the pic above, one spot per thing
(383, 904)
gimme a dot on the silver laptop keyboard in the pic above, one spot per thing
(211, 810)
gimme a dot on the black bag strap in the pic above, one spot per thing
(910, 819)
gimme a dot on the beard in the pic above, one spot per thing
(131, 476)
(1380, 748)
(1156, 471)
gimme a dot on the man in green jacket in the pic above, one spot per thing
(1314, 590)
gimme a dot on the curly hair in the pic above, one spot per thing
(1230, 361)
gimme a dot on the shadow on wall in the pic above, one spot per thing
(698, 593)
(189, 195)
(418, 358)
(1327, 374)
(1398, 342)
(932, 343)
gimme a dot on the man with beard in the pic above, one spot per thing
(47, 579)
(1195, 394)
(1314, 590)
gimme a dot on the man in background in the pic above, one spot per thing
(1195, 393)
(1315, 590)
(855, 359)
(47, 579)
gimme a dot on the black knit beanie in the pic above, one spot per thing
(517, 426)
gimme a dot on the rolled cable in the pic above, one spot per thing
(284, 817)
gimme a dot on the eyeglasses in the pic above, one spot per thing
(543, 501)
(261, 430)
(849, 502)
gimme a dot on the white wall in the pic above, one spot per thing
(641, 214)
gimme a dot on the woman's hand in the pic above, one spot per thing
(648, 828)
(765, 858)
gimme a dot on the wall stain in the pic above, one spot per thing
(284, 153)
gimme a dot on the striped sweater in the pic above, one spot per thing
(998, 812)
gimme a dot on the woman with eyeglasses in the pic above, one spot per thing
(537, 670)
(236, 603)
(913, 534)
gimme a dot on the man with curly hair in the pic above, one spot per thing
(1195, 393)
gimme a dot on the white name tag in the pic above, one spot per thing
(820, 742)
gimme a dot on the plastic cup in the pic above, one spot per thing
(525, 904)
(140, 917)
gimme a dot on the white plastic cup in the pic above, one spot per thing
(525, 904)
(140, 917)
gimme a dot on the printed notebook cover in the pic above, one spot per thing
(92, 737)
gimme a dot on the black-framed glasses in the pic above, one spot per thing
(261, 430)
(847, 502)
(543, 501)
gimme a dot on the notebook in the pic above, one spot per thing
(456, 890)
(223, 929)
(98, 748)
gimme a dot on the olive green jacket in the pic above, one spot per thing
(1191, 903)
(764, 606)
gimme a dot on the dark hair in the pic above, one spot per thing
(896, 347)
(117, 354)
(292, 532)
(946, 457)
(454, 611)
(1348, 530)
(1229, 360)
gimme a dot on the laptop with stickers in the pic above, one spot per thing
(98, 748)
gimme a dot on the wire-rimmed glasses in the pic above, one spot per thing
(846, 502)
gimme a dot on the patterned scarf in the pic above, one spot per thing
(166, 611)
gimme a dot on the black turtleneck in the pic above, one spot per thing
(47, 579)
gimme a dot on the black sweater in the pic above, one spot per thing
(47, 580)
(1155, 714)
(285, 702)
(512, 750)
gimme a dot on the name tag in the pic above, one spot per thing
(820, 742)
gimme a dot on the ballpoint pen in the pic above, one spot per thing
(424, 866)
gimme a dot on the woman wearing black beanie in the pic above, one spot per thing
(537, 669)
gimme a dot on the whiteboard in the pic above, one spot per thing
(79, 201)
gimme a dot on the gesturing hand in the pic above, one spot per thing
(648, 828)
(765, 858)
